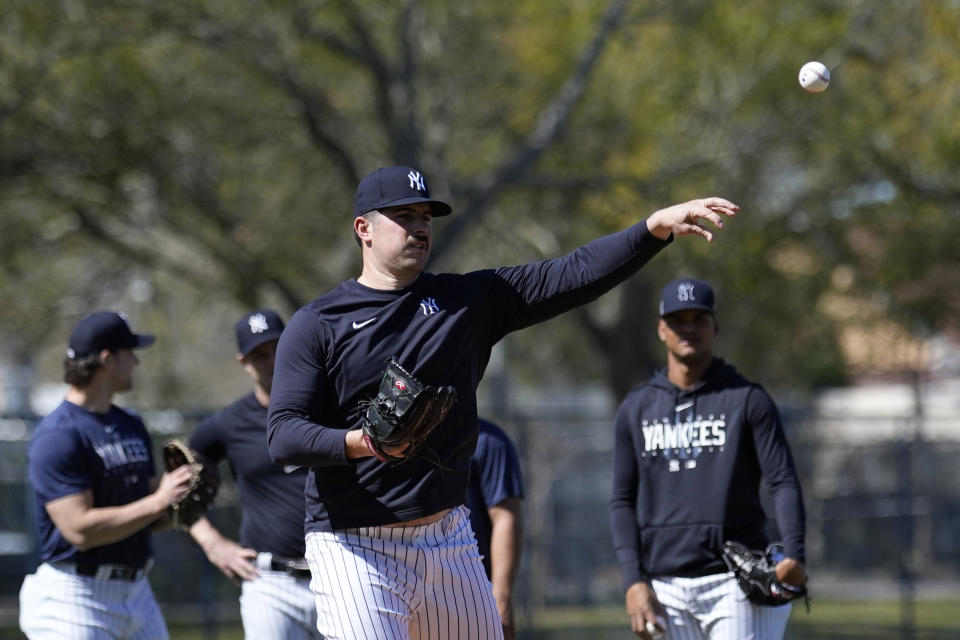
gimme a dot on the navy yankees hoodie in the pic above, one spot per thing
(687, 472)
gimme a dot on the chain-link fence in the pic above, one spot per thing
(883, 518)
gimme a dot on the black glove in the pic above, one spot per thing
(405, 411)
(755, 573)
(203, 484)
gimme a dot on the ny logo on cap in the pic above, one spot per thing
(416, 181)
(258, 323)
(685, 291)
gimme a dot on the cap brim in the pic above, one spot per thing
(143, 340)
(438, 207)
(687, 307)
(260, 340)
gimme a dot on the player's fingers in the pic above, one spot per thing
(182, 474)
(245, 570)
(726, 211)
(721, 204)
(234, 578)
(686, 229)
(723, 213)
(639, 626)
(706, 213)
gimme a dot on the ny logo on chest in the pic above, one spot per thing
(429, 306)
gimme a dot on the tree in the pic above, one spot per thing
(205, 153)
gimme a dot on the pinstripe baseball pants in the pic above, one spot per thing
(402, 583)
(278, 606)
(58, 604)
(714, 608)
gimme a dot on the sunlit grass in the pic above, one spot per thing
(878, 620)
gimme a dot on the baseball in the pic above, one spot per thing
(654, 630)
(814, 77)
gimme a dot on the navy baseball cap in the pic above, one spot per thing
(392, 187)
(256, 328)
(686, 293)
(105, 330)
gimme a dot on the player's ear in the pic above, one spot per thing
(362, 226)
(662, 329)
(716, 324)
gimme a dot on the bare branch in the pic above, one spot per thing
(547, 129)
(136, 255)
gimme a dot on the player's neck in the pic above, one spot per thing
(262, 396)
(687, 373)
(384, 280)
(95, 398)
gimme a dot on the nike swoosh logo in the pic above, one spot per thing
(290, 468)
(681, 407)
(361, 325)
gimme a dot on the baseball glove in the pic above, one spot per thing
(404, 411)
(756, 575)
(203, 484)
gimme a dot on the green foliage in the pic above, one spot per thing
(210, 149)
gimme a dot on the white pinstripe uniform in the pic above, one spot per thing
(58, 604)
(399, 583)
(714, 608)
(277, 604)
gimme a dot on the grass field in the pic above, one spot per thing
(833, 620)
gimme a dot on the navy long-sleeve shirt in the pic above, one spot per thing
(441, 328)
(686, 475)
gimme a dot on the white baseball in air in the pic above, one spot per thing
(814, 77)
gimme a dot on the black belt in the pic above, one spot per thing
(294, 566)
(111, 571)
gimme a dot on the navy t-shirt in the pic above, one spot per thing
(494, 476)
(441, 328)
(272, 500)
(110, 454)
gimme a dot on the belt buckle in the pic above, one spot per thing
(291, 566)
(120, 572)
(124, 573)
(112, 572)
(105, 572)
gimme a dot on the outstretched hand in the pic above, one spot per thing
(686, 218)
